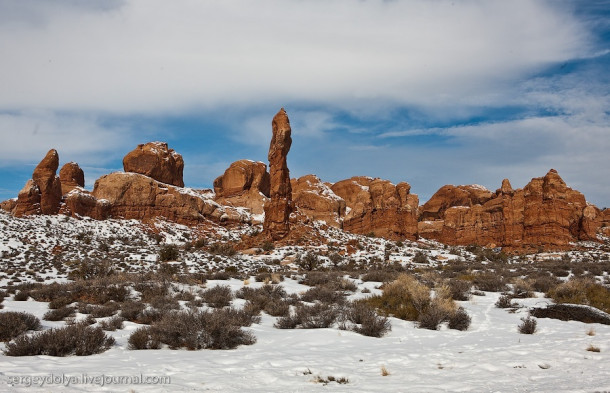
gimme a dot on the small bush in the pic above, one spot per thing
(380, 276)
(366, 321)
(58, 314)
(12, 324)
(225, 249)
(420, 257)
(218, 296)
(505, 301)
(77, 339)
(21, 296)
(112, 324)
(130, 310)
(460, 289)
(438, 311)
(528, 325)
(404, 298)
(582, 291)
(144, 338)
(459, 320)
(309, 262)
(489, 282)
(323, 294)
(319, 315)
(169, 252)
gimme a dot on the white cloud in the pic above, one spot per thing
(27, 136)
(157, 56)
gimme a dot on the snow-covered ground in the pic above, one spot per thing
(491, 356)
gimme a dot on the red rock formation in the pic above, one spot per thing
(156, 160)
(378, 206)
(317, 201)
(449, 196)
(8, 205)
(71, 176)
(245, 183)
(80, 203)
(278, 209)
(135, 196)
(545, 213)
(41, 194)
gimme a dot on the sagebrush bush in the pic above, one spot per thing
(582, 291)
(528, 325)
(365, 320)
(58, 314)
(77, 339)
(505, 301)
(130, 310)
(218, 296)
(437, 311)
(460, 289)
(112, 324)
(459, 320)
(319, 315)
(21, 296)
(12, 324)
(489, 282)
(169, 252)
(322, 293)
(216, 329)
(380, 276)
(225, 249)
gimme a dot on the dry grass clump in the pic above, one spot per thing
(217, 329)
(593, 348)
(77, 339)
(522, 288)
(12, 324)
(582, 291)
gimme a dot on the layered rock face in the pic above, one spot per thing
(71, 176)
(317, 200)
(279, 207)
(156, 160)
(449, 196)
(545, 213)
(245, 183)
(135, 196)
(378, 206)
(42, 194)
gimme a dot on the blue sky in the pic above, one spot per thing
(428, 92)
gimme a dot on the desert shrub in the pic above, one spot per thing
(571, 312)
(267, 246)
(150, 315)
(420, 257)
(88, 270)
(12, 324)
(269, 298)
(21, 296)
(459, 320)
(267, 277)
(593, 348)
(144, 338)
(380, 276)
(544, 282)
(318, 278)
(58, 314)
(403, 298)
(217, 329)
(322, 294)
(218, 296)
(277, 307)
(59, 302)
(460, 289)
(528, 325)
(437, 311)
(225, 249)
(112, 324)
(319, 315)
(131, 309)
(164, 303)
(77, 339)
(582, 291)
(489, 282)
(96, 311)
(505, 301)
(522, 289)
(308, 262)
(169, 252)
(366, 321)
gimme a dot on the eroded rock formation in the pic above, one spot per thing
(245, 183)
(279, 207)
(41, 194)
(71, 176)
(546, 213)
(378, 206)
(317, 200)
(156, 160)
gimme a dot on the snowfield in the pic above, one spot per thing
(491, 356)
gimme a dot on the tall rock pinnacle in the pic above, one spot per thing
(278, 209)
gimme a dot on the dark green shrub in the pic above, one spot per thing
(169, 252)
